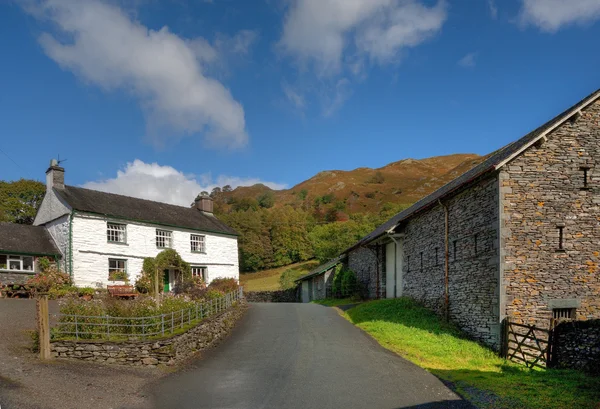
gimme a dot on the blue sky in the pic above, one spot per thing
(163, 98)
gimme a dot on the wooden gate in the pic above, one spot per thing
(527, 344)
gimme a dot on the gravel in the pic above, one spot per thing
(28, 383)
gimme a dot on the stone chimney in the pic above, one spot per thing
(204, 203)
(55, 176)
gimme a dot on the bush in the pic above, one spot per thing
(47, 280)
(56, 293)
(349, 283)
(225, 285)
(144, 284)
(286, 280)
(86, 291)
(195, 288)
(336, 286)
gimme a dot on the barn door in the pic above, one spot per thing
(390, 270)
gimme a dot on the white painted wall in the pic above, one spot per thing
(52, 208)
(91, 250)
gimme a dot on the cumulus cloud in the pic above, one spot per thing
(320, 32)
(551, 15)
(468, 61)
(104, 46)
(167, 184)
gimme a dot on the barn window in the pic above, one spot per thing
(563, 313)
(585, 171)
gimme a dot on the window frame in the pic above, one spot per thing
(203, 272)
(20, 259)
(201, 243)
(116, 231)
(111, 269)
(559, 313)
(164, 237)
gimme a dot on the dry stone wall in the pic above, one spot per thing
(166, 351)
(543, 191)
(290, 295)
(577, 346)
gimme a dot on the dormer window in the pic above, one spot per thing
(585, 171)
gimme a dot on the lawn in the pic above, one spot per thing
(477, 373)
(268, 280)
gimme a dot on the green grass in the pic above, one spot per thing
(268, 280)
(417, 334)
(333, 302)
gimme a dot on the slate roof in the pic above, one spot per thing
(131, 208)
(321, 269)
(489, 164)
(23, 238)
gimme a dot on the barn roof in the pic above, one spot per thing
(493, 162)
(321, 269)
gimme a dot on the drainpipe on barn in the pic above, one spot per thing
(446, 269)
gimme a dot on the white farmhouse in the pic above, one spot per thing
(102, 235)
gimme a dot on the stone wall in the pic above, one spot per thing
(290, 295)
(542, 190)
(14, 278)
(577, 346)
(165, 351)
(366, 265)
(473, 260)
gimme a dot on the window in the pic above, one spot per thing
(585, 171)
(560, 238)
(563, 313)
(116, 233)
(198, 271)
(16, 263)
(117, 269)
(164, 239)
(197, 243)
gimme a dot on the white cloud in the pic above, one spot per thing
(493, 9)
(551, 15)
(320, 32)
(167, 184)
(102, 45)
(293, 96)
(333, 102)
(468, 61)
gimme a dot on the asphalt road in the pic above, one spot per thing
(301, 356)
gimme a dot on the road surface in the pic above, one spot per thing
(301, 356)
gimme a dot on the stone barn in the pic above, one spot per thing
(516, 236)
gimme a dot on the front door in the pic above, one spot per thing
(166, 281)
(390, 270)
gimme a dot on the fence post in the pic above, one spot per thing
(76, 329)
(504, 340)
(162, 316)
(43, 326)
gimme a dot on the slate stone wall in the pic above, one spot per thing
(14, 278)
(473, 260)
(577, 346)
(166, 351)
(541, 190)
(365, 264)
(290, 295)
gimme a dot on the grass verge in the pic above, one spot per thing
(268, 280)
(334, 302)
(419, 335)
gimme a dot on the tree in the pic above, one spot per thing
(266, 200)
(245, 203)
(20, 200)
(215, 192)
(329, 240)
(227, 188)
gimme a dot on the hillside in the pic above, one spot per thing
(362, 190)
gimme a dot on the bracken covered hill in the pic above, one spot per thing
(364, 190)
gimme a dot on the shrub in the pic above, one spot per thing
(118, 276)
(349, 283)
(225, 285)
(144, 284)
(51, 278)
(89, 291)
(286, 280)
(60, 292)
(195, 288)
(336, 286)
